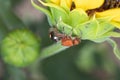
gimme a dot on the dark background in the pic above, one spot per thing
(86, 61)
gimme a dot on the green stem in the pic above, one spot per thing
(51, 50)
(47, 12)
(115, 47)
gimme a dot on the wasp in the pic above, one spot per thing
(66, 40)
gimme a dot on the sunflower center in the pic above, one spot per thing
(108, 4)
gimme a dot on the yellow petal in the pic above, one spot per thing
(113, 13)
(55, 1)
(116, 24)
(117, 18)
(88, 4)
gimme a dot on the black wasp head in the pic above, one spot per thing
(53, 36)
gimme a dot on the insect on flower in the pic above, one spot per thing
(55, 35)
(72, 17)
(68, 41)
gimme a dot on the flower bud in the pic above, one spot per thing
(20, 48)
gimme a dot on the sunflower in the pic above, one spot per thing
(87, 5)
(73, 14)
(94, 20)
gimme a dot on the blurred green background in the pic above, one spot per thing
(86, 61)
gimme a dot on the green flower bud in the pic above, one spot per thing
(20, 48)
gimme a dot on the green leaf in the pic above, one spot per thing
(88, 29)
(47, 12)
(77, 32)
(104, 25)
(116, 50)
(77, 16)
(113, 34)
(95, 30)
(64, 28)
(51, 5)
(57, 14)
